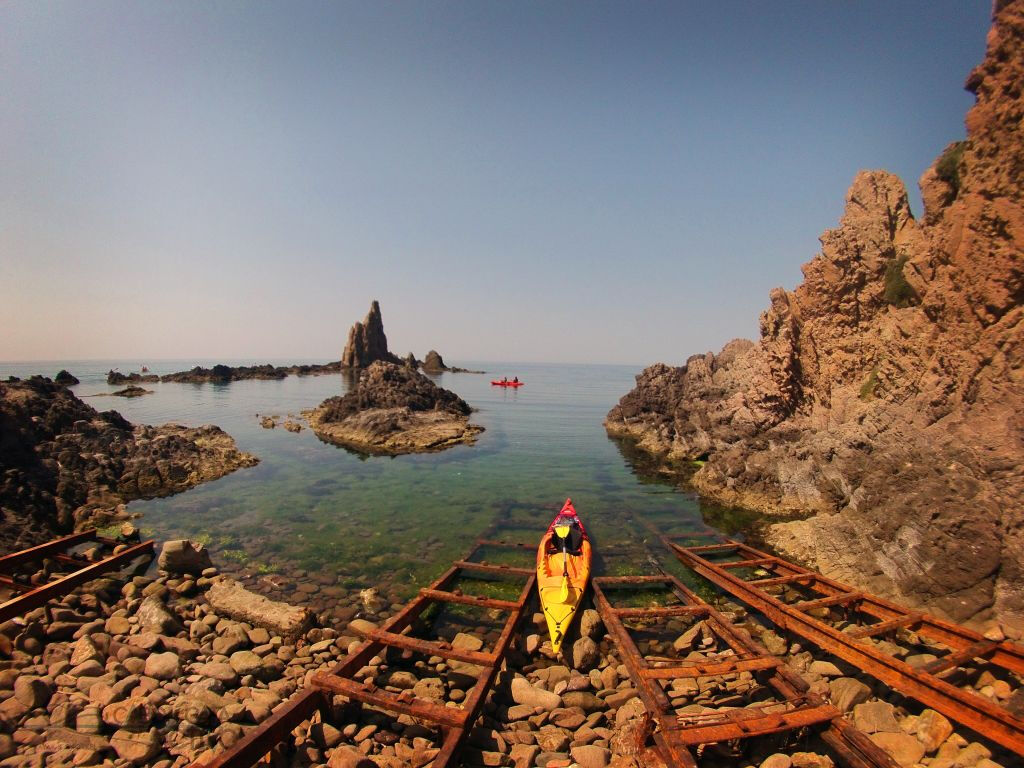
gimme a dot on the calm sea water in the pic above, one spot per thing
(311, 507)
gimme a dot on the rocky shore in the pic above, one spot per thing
(161, 671)
(882, 405)
(393, 410)
(66, 465)
(224, 374)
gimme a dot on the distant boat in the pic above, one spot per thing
(507, 383)
(145, 369)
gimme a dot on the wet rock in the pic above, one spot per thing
(585, 654)
(136, 748)
(163, 666)
(33, 692)
(590, 624)
(591, 756)
(932, 729)
(524, 693)
(904, 748)
(183, 556)
(847, 692)
(229, 598)
(154, 617)
(875, 717)
(585, 700)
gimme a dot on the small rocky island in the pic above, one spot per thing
(66, 465)
(394, 410)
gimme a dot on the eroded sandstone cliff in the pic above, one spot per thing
(883, 401)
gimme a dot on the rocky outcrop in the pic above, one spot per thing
(884, 400)
(433, 363)
(132, 391)
(116, 378)
(394, 409)
(367, 342)
(65, 379)
(63, 464)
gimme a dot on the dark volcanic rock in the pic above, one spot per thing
(433, 363)
(132, 391)
(115, 378)
(885, 396)
(63, 463)
(394, 409)
(367, 342)
(65, 379)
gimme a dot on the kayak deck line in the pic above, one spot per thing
(867, 616)
(28, 596)
(454, 722)
(675, 735)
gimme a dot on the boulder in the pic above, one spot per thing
(585, 654)
(847, 692)
(229, 598)
(524, 693)
(183, 556)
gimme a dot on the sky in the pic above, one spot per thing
(530, 181)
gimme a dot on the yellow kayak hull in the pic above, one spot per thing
(560, 596)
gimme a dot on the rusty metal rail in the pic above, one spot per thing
(29, 596)
(454, 722)
(923, 684)
(796, 707)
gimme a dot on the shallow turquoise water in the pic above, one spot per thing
(318, 509)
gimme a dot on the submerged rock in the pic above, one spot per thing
(182, 556)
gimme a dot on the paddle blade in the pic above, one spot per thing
(562, 531)
(563, 596)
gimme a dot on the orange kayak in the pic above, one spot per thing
(563, 568)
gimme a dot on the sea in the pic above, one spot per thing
(310, 507)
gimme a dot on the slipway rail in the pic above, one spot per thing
(59, 551)
(454, 722)
(869, 617)
(795, 707)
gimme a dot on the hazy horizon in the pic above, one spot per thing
(568, 182)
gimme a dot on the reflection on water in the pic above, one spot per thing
(312, 509)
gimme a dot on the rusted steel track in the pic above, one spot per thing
(453, 722)
(796, 707)
(971, 709)
(32, 596)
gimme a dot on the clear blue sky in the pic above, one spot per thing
(550, 181)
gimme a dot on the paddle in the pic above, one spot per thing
(563, 534)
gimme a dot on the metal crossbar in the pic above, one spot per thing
(964, 706)
(454, 722)
(31, 596)
(797, 707)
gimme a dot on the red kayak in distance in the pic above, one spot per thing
(507, 383)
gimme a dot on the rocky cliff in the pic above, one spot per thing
(883, 401)
(367, 342)
(63, 464)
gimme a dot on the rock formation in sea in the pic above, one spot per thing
(64, 465)
(132, 391)
(367, 342)
(394, 409)
(433, 363)
(883, 403)
(116, 378)
(65, 379)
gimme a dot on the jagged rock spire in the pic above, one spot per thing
(367, 342)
